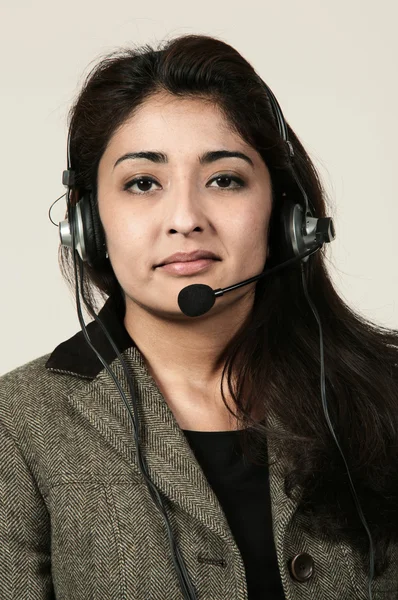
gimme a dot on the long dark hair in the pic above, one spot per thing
(276, 354)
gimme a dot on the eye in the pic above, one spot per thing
(225, 178)
(141, 181)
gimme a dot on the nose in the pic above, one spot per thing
(185, 211)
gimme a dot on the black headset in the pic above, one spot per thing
(299, 235)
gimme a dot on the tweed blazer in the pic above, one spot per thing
(77, 521)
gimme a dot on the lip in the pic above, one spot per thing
(181, 257)
(188, 267)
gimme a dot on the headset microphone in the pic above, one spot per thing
(197, 299)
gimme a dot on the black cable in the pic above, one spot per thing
(182, 573)
(326, 411)
(49, 210)
(284, 133)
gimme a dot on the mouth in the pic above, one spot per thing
(188, 267)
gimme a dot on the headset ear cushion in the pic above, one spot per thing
(280, 231)
(286, 228)
(293, 241)
(94, 237)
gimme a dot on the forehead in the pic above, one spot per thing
(167, 119)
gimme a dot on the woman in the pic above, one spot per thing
(178, 151)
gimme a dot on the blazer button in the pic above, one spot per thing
(302, 567)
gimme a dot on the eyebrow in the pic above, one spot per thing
(206, 158)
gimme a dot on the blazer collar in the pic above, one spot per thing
(75, 357)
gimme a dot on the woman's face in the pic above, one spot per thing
(182, 202)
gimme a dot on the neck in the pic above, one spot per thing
(184, 350)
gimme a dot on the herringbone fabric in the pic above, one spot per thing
(77, 521)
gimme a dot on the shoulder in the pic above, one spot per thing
(25, 371)
(31, 388)
(32, 391)
(26, 376)
(32, 377)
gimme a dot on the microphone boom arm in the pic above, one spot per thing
(221, 291)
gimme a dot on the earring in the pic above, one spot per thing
(106, 254)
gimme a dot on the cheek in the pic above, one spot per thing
(128, 239)
(123, 231)
(249, 231)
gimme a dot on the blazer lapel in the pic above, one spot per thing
(171, 464)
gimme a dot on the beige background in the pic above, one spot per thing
(332, 66)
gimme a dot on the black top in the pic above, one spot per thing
(242, 489)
